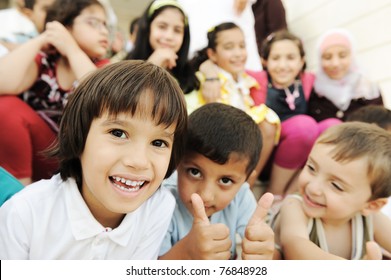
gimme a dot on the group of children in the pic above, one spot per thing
(126, 147)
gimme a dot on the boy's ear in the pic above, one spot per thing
(374, 206)
(211, 54)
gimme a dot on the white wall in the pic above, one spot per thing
(368, 20)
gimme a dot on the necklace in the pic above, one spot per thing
(291, 96)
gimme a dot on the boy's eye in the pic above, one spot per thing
(118, 133)
(310, 167)
(194, 172)
(226, 181)
(336, 186)
(160, 143)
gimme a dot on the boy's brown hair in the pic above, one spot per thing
(354, 140)
(119, 88)
(219, 131)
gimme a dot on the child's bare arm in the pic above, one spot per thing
(210, 89)
(18, 69)
(382, 230)
(294, 239)
(204, 241)
(258, 240)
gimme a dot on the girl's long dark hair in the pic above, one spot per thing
(143, 50)
(202, 55)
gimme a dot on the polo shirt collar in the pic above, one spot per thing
(83, 223)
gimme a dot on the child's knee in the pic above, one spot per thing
(304, 130)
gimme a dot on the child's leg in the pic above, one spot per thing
(268, 131)
(298, 134)
(23, 135)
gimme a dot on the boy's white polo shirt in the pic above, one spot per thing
(50, 220)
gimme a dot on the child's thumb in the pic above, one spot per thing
(263, 206)
(373, 251)
(199, 213)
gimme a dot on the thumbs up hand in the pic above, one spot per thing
(258, 240)
(373, 251)
(206, 240)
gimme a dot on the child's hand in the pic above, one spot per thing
(164, 57)
(211, 91)
(207, 241)
(373, 251)
(60, 38)
(258, 240)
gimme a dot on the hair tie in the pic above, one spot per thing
(211, 29)
(157, 4)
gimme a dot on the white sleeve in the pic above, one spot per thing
(14, 237)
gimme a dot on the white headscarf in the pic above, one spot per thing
(354, 85)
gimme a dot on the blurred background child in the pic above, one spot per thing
(164, 40)
(40, 76)
(340, 85)
(22, 23)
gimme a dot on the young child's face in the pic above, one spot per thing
(230, 53)
(167, 30)
(90, 31)
(38, 13)
(333, 190)
(217, 184)
(284, 62)
(124, 161)
(336, 62)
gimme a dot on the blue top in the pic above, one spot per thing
(236, 216)
(9, 185)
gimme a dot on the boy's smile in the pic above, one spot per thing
(331, 189)
(124, 161)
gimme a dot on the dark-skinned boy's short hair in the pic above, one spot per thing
(217, 131)
(355, 140)
(114, 89)
(377, 114)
